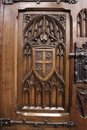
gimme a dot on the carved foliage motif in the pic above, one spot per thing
(82, 101)
(44, 44)
(82, 23)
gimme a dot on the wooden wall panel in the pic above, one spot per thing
(8, 71)
(8, 62)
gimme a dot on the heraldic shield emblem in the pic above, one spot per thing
(43, 62)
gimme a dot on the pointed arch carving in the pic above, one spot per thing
(46, 29)
(33, 90)
(43, 55)
(82, 23)
(55, 91)
(60, 57)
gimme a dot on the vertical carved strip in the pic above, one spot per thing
(36, 95)
(43, 95)
(47, 95)
(82, 23)
(26, 96)
(25, 65)
(61, 60)
(79, 25)
(85, 22)
(33, 96)
(50, 95)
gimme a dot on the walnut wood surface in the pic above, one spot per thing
(40, 87)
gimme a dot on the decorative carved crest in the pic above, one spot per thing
(82, 101)
(38, 1)
(43, 63)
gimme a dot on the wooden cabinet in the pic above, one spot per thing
(43, 65)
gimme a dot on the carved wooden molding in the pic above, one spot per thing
(38, 1)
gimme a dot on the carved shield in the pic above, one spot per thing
(43, 63)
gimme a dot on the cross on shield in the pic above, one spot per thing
(43, 63)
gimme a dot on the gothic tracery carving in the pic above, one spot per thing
(44, 42)
(54, 89)
(33, 87)
(44, 29)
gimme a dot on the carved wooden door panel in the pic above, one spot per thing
(43, 65)
(43, 78)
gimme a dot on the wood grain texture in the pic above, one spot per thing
(13, 61)
(44, 44)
